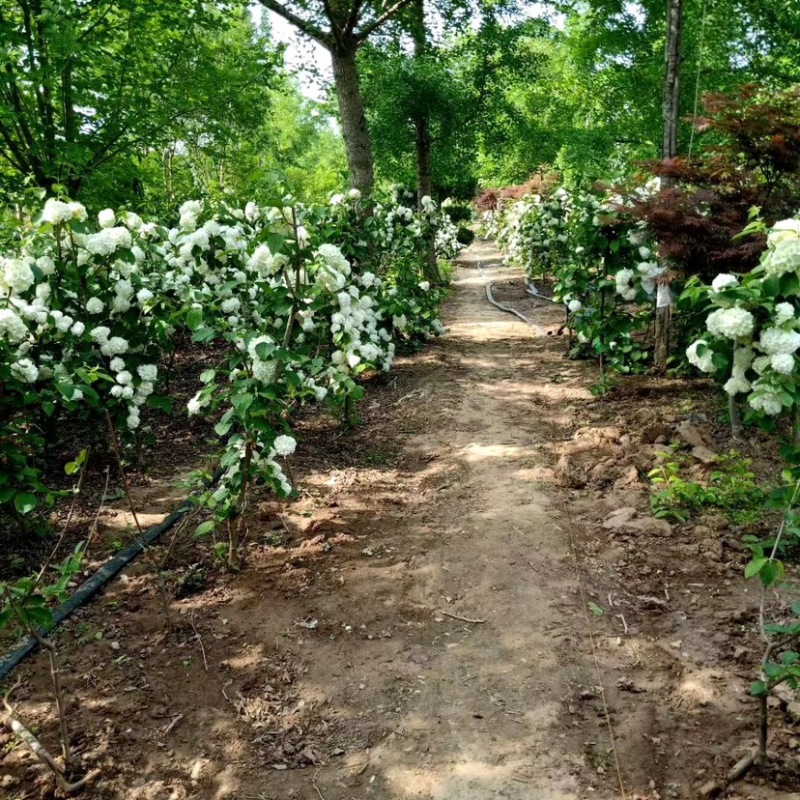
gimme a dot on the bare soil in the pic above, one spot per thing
(468, 600)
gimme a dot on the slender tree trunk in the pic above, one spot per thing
(423, 145)
(354, 121)
(423, 136)
(421, 126)
(670, 110)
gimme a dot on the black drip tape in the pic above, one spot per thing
(92, 585)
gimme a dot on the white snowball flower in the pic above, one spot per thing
(77, 212)
(737, 384)
(11, 326)
(782, 231)
(782, 363)
(15, 276)
(124, 378)
(194, 405)
(354, 194)
(107, 218)
(723, 281)
(284, 445)
(705, 362)
(148, 372)
(783, 313)
(56, 212)
(116, 345)
(251, 212)
(730, 323)
(574, 305)
(623, 280)
(25, 370)
(117, 364)
(77, 329)
(766, 401)
(784, 258)
(424, 285)
(776, 340)
(132, 221)
(337, 199)
(143, 295)
(100, 334)
(189, 212)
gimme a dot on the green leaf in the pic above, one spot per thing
(25, 502)
(225, 424)
(166, 404)
(194, 319)
(771, 572)
(6, 493)
(204, 334)
(595, 609)
(754, 567)
(241, 402)
(758, 688)
(204, 529)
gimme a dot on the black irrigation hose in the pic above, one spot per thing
(92, 585)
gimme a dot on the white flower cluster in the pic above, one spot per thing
(765, 352)
(77, 304)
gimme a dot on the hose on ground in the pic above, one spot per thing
(502, 307)
(97, 581)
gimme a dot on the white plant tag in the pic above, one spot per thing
(665, 297)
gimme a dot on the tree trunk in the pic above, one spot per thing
(670, 110)
(423, 143)
(423, 135)
(670, 107)
(354, 121)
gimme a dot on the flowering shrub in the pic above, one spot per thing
(753, 333)
(600, 259)
(303, 298)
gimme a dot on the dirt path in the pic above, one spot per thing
(485, 720)
(484, 703)
(340, 664)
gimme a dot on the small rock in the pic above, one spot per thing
(712, 548)
(793, 710)
(717, 522)
(702, 532)
(692, 435)
(115, 645)
(704, 454)
(627, 519)
(652, 433)
(741, 653)
(619, 519)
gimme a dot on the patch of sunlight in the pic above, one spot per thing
(472, 780)
(123, 520)
(696, 690)
(477, 452)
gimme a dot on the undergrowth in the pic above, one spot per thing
(731, 489)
